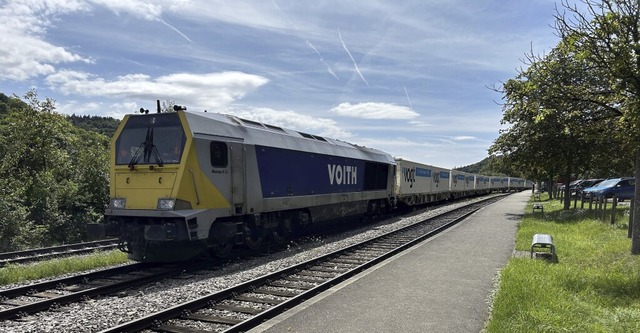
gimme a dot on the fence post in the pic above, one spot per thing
(614, 204)
(598, 206)
(631, 218)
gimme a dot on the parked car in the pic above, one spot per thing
(621, 188)
(572, 184)
(586, 183)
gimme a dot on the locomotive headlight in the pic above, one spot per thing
(166, 204)
(118, 203)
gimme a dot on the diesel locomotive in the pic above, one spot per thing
(185, 184)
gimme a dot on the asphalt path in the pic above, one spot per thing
(441, 285)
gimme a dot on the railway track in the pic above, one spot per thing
(17, 302)
(246, 305)
(19, 257)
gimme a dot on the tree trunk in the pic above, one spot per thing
(635, 228)
(567, 190)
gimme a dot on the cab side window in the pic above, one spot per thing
(219, 154)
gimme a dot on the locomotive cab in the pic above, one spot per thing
(148, 140)
(145, 206)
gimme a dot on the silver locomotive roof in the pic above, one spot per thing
(229, 127)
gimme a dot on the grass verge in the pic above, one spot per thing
(44, 269)
(595, 286)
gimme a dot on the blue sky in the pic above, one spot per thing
(407, 77)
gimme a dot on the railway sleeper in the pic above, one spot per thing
(349, 261)
(14, 302)
(235, 308)
(214, 319)
(317, 274)
(302, 279)
(252, 299)
(328, 270)
(46, 294)
(339, 265)
(177, 329)
(291, 286)
(280, 293)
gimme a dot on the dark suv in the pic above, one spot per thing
(621, 188)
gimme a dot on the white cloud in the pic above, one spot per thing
(25, 53)
(463, 138)
(293, 120)
(418, 123)
(137, 8)
(114, 110)
(373, 110)
(434, 150)
(206, 91)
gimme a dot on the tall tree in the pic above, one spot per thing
(552, 130)
(54, 176)
(607, 33)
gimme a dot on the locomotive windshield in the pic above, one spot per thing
(151, 139)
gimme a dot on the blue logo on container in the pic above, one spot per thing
(420, 172)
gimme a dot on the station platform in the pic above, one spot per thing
(440, 285)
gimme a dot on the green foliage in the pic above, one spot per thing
(53, 176)
(593, 288)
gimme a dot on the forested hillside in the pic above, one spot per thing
(53, 176)
(490, 166)
(102, 125)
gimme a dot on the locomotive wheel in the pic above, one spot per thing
(222, 249)
(283, 231)
(253, 237)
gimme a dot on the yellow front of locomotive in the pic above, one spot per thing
(154, 199)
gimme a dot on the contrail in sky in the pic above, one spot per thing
(295, 27)
(408, 99)
(329, 69)
(175, 29)
(354, 61)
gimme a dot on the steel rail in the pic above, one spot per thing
(17, 257)
(81, 286)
